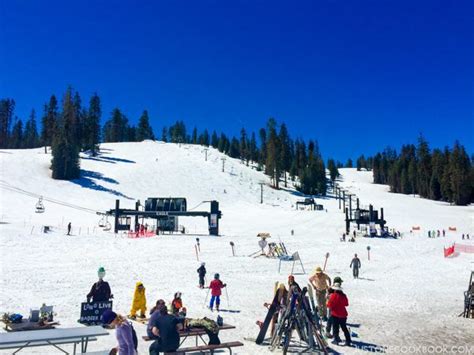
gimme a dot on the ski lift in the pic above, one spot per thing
(39, 205)
(102, 222)
(107, 226)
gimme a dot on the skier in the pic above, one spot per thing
(202, 274)
(177, 305)
(337, 303)
(355, 265)
(444, 233)
(127, 342)
(139, 301)
(321, 282)
(429, 234)
(69, 228)
(438, 233)
(216, 287)
(463, 236)
(100, 291)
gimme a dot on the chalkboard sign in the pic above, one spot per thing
(91, 312)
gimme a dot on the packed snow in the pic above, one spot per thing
(408, 294)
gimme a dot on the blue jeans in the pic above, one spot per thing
(217, 299)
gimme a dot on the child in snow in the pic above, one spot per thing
(100, 291)
(124, 333)
(177, 306)
(139, 301)
(202, 274)
(337, 304)
(216, 287)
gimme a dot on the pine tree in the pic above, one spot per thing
(31, 132)
(424, 167)
(262, 155)
(214, 140)
(91, 134)
(460, 170)
(333, 171)
(243, 148)
(144, 130)
(438, 165)
(79, 120)
(7, 107)
(285, 151)
(349, 163)
(253, 148)
(272, 161)
(164, 135)
(66, 147)
(194, 139)
(16, 137)
(49, 122)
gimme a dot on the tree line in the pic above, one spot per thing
(70, 127)
(441, 175)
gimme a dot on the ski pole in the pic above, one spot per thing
(227, 295)
(207, 295)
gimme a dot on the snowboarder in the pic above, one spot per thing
(321, 282)
(337, 303)
(139, 301)
(355, 265)
(202, 274)
(127, 342)
(69, 228)
(100, 291)
(216, 287)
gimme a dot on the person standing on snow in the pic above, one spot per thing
(202, 274)
(216, 287)
(124, 332)
(139, 301)
(337, 303)
(100, 290)
(69, 228)
(355, 265)
(330, 323)
(321, 282)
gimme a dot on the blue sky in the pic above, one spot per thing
(355, 75)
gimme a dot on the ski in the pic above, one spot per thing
(271, 311)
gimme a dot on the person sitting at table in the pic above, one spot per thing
(154, 314)
(126, 336)
(100, 291)
(165, 327)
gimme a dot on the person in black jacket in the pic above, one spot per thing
(355, 265)
(202, 274)
(100, 291)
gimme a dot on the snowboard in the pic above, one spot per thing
(271, 312)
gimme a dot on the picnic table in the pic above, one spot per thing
(194, 332)
(52, 337)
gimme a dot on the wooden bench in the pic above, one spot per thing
(205, 348)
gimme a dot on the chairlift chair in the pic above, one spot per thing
(39, 205)
(107, 226)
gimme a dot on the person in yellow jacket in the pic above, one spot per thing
(139, 301)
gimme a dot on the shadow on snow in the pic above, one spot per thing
(87, 181)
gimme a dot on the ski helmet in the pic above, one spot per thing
(101, 272)
(338, 280)
(216, 276)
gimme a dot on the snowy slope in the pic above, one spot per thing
(408, 293)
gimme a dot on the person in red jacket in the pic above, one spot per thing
(216, 286)
(337, 303)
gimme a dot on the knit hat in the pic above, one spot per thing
(216, 276)
(108, 316)
(336, 287)
(101, 272)
(338, 280)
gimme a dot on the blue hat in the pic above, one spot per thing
(108, 316)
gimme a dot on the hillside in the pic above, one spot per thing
(408, 292)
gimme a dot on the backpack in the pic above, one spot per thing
(134, 337)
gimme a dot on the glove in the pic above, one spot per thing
(224, 285)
